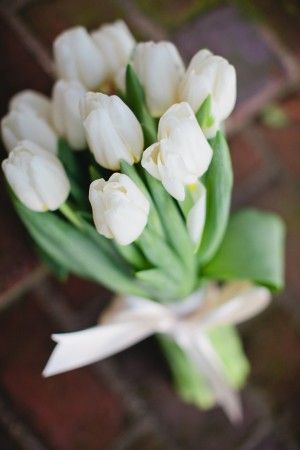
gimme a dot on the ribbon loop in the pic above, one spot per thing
(131, 319)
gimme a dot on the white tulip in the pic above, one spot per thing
(208, 74)
(196, 216)
(112, 130)
(78, 58)
(182, 153)
(120, 209)
(22, 123)
(36, 176)
(116, 43)
(66, 99)
(33, 101)
(159, 68)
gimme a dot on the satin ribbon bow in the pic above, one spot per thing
(131, 319)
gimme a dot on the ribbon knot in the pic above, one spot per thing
(129, 320)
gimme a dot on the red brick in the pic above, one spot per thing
(6, 441)
(47, 19)
(147, 442)
(272, 344)
(75, 410)
(18, 69)
(246, 159)
(284, 19)
(285, 142)
(274, 441)
(186, 426)
(79, 293)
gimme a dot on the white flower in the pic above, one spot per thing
(159, 68)
(27, 123)
(196, 216)
(182, 153)
(67, 96)
(116, 43)
(120, 209)
(36, 176)
(78, 58)
(33, 101)
(208, 74)
(112, 130)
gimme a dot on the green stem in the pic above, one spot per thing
(71, 215)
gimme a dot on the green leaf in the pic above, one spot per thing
(135, 99)
(252, 249)
(174, 225)
(228, 345)
(82, 253)
(74, 172)
(204, 114)
(133, 256)
(158, 252)
(58, 270)
(218, 182)
(159, 283)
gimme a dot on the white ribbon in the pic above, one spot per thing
(131, 319)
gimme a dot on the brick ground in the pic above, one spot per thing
(127, 402)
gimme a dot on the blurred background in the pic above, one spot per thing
(127, 402)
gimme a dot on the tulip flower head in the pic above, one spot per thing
(36, 176)
(33, 101)
(67, 96)
(159, 68)
(77, 58)
(112, 130)
(182, 153)
(116, 43)
(208, 74)
(25, 123)
(120, 209)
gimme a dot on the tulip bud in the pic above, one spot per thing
(67, 96)
(208, 74)
(112, 130)
(36, 176)
(182, 153)
(78, 58)
(31, 101)
(159, 68)
(120, 209)
(116, 43)
(24, 123)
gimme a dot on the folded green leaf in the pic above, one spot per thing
(204, 114)
(218, 182)
(252, 249)
(174, 225)
(159, 283)
(76, 251)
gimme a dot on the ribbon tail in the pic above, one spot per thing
(200, 350)
(80, 348)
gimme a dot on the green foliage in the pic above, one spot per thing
(83, 252)
(218, 182)
(252, 249)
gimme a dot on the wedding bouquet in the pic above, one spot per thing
(124, 177)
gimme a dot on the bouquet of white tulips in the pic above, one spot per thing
(124, 177)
